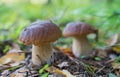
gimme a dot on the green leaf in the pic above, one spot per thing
(6, 48)
(112, 75)
(97, 58)
(117, 60)
(44, 75)
(42, 69)
(82, 57)
(89, 69)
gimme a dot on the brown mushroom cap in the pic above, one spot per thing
(78, 29)
(40, 32)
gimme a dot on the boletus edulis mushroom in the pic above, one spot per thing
(40, 34)
(79, 32)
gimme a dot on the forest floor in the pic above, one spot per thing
(102, 62)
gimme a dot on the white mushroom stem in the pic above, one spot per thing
(41, 53)
(81, 46)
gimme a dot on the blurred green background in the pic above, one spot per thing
(15, 15)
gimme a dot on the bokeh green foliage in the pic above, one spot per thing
(17, 14)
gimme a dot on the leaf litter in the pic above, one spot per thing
(99, 63)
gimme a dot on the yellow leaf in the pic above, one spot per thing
(116, 49)
(12, 57)
(53, 69)
(66, 51)
(116, 65)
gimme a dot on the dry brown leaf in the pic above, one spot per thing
(101, 53)
(116, 65)
(63, 64)
(5, 73)
(66, 50)
(53, 69)
(16, 75)
(117, 73)
(12, 57)
(69, 74)
(19, 73)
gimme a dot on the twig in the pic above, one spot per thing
(109, 61)
(28, 65)
(27, 52)
(77, 61)
(27, 59)
(8, 67)
(100, 69)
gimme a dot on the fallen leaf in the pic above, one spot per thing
(53, 69)
(66, 50)
(69, 74)
(42, 69)
(7, 47)
(116, 49)
(15, 64)
(112, 56)
(101, 53)
(112, 75)
(44, 75)
(5, 73)
(117, 73)
(12, 57)
(116, 65)
(19, 73)
(97, 58)
(63, 64)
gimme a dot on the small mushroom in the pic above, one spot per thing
(40, 34)
(79, 31)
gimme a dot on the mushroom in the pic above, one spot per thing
(40, 34)
(79, 32)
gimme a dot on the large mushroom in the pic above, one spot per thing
(40, 34)
(79, 31)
